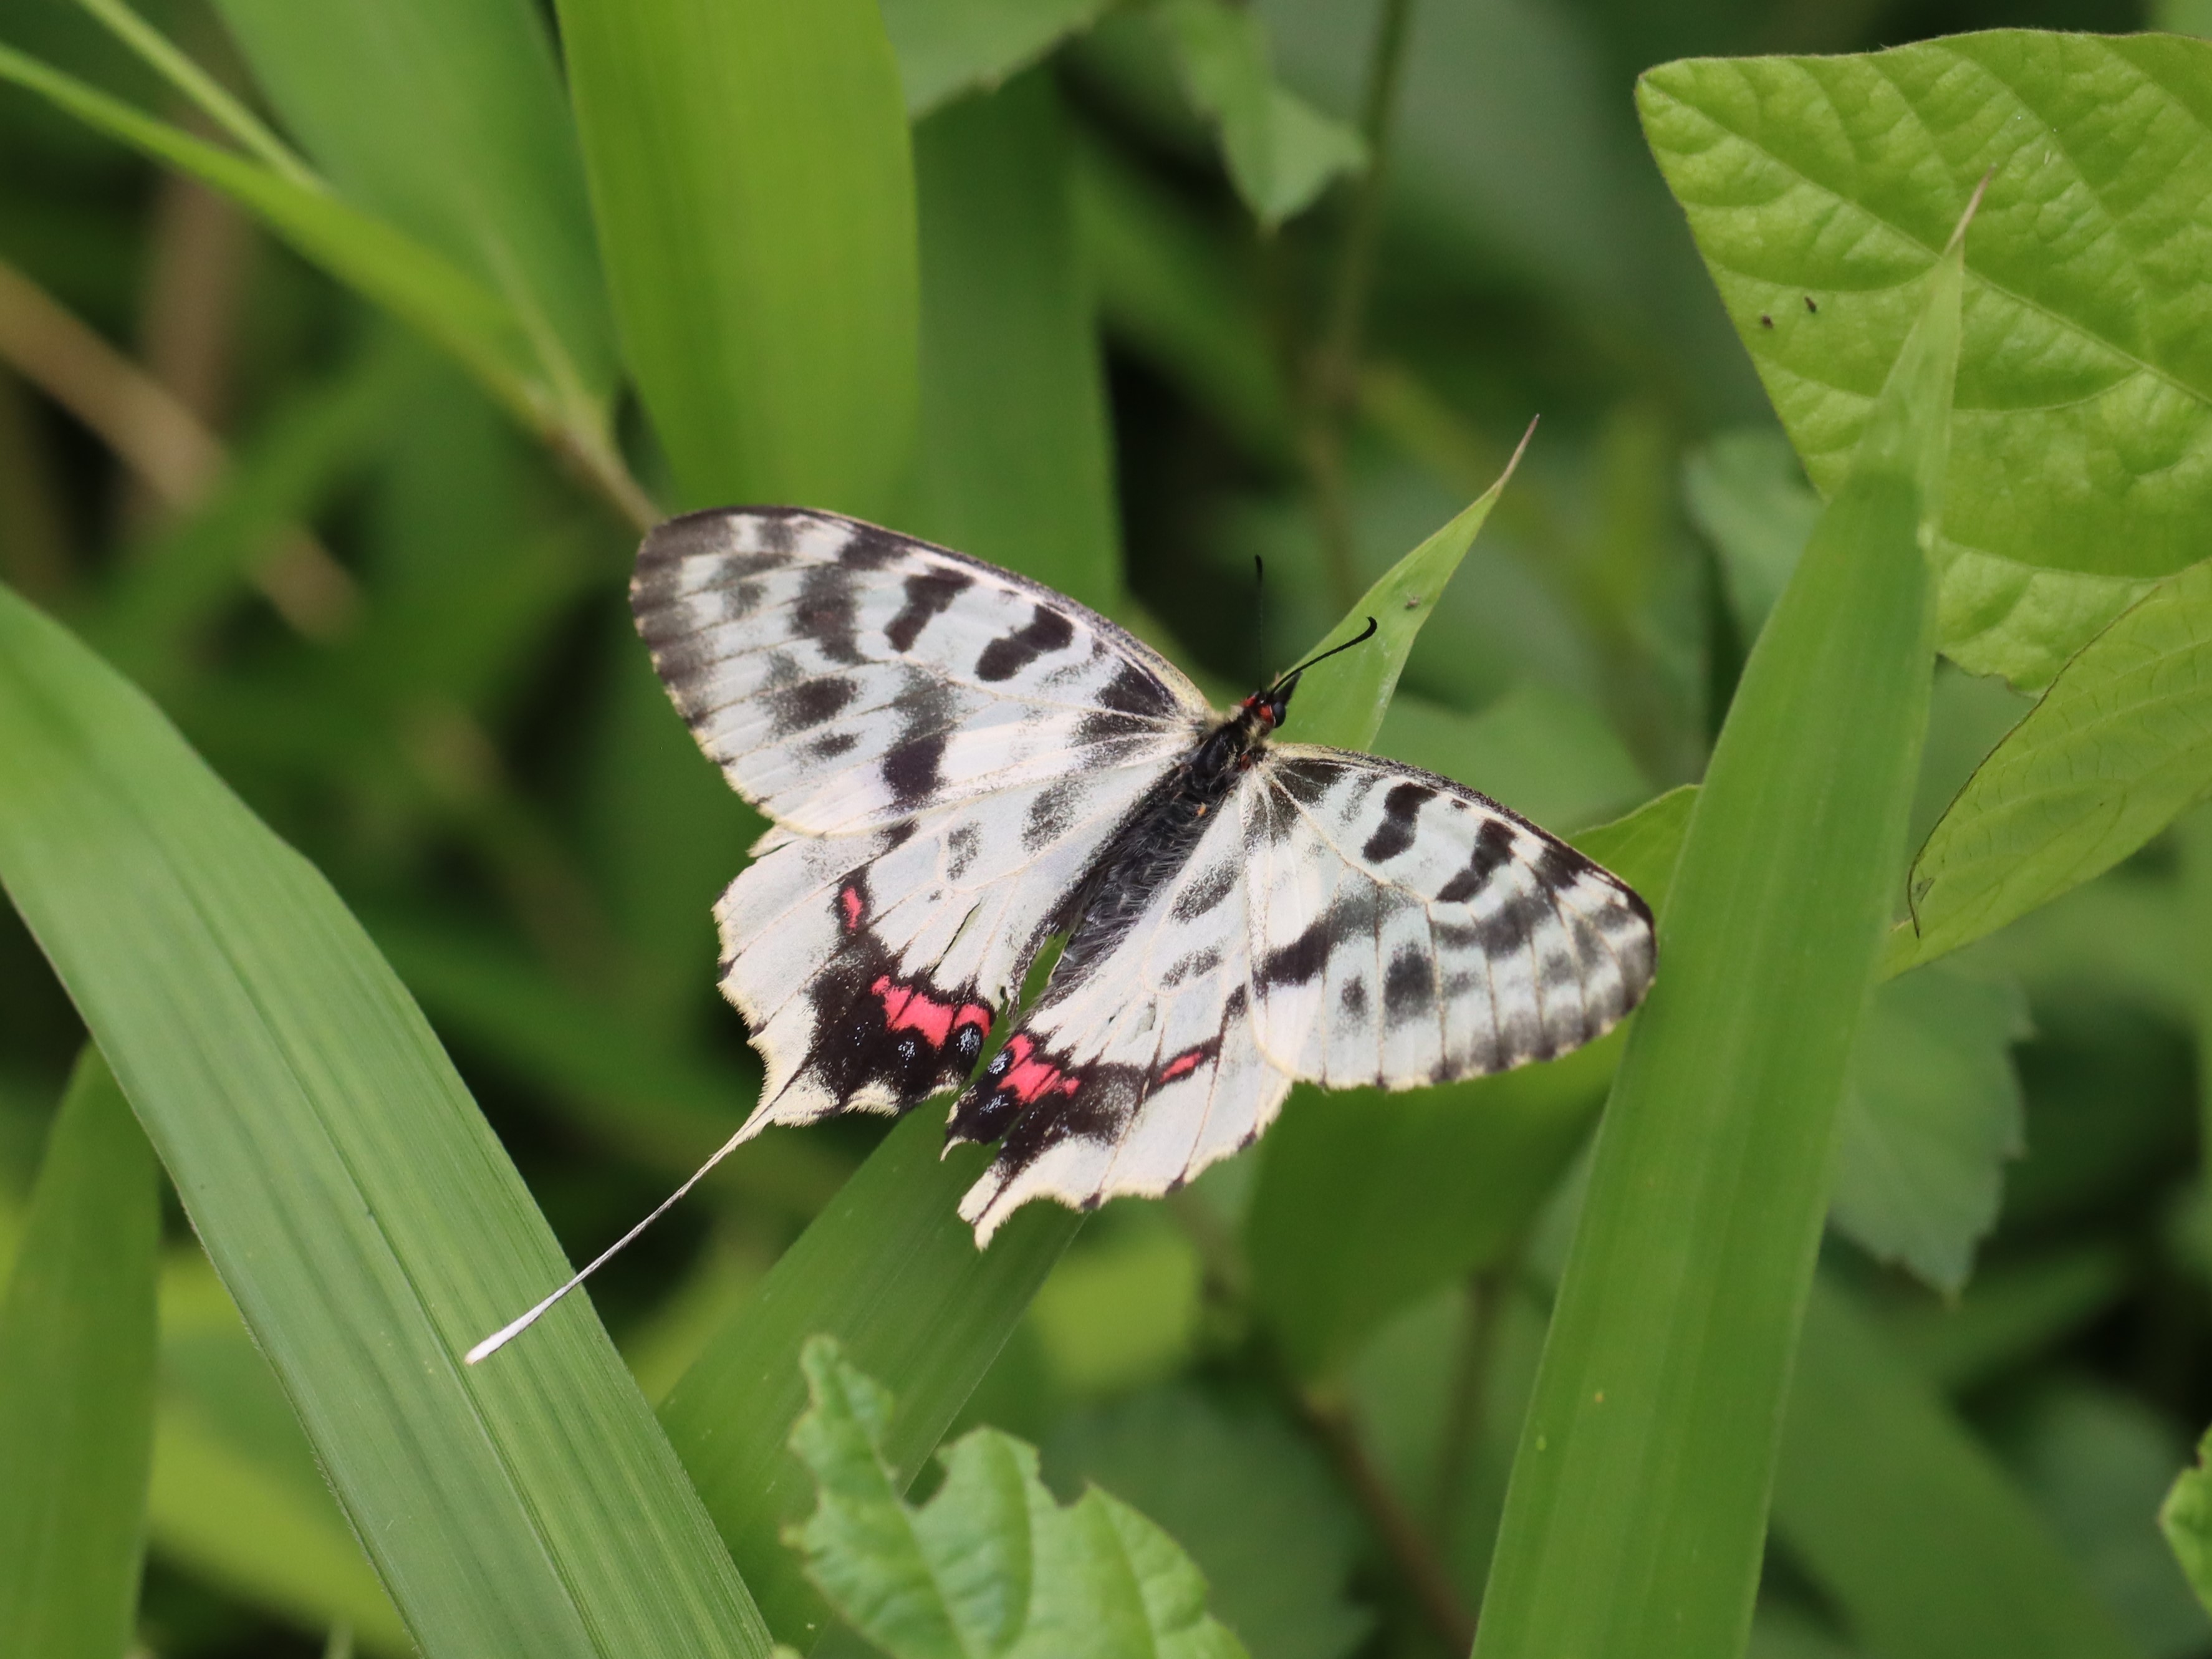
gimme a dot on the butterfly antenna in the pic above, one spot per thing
(1360, 638)
(507, 1334)
(1259, 622)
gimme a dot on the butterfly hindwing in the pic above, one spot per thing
(1342, 920)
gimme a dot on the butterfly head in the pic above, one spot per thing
(1267, 709)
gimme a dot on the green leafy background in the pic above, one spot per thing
(344, 350)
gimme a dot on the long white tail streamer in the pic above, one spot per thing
(507, 1334)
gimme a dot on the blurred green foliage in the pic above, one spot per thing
(347, 480)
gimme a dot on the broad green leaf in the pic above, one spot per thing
(1907, 1524)
(1747, 492)
(947, 47)
(1637, 1514)
(1344, 704)
(2081, 456)
(406, 278)
(358, 1208)
(754, 195)
(2010, 1313)
(447, 119)
(2186, 1519)
(1282, 152)
(2113, 752)
(1252, 1500)
(891, 1271)
(1123, 1308)
(1015, 466)
(991, 1565)
(76, 1383)
(1931, 1113)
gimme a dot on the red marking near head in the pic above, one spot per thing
(1181, 1066)
(855, 906)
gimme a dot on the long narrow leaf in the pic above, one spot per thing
(751, 179)
(447, 119)
(1637, 1509)
(393, 271)
(76, 1384)
(356, 1203)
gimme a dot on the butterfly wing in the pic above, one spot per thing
(1346, 920)
(945, 747)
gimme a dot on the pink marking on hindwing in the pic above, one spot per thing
(855, 906)
(911, 1009)
(1032, 1076)
(1181, 1066)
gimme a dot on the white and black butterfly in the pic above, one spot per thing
(961, 764)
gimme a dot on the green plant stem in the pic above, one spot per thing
(1484, 1293)
(1410, 1552)
(1334, 379)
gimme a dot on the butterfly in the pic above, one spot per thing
(960, 764)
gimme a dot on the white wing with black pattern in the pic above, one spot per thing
(946, 747)
(1345, 921)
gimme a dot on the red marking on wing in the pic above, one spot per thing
(909, 1009)
(855, 906)
(1181, 1066)
(1033, 1075)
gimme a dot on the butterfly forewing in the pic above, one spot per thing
(846, 678)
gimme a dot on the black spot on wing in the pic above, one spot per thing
(1205, 892)
(1303, 780)
(1408, 984)
(1493, 847)
(1395, 833)
(1302, 959)
(831, 744)
(869, 548)
(825, 613)
(928, 594)
(962, 844)
(741, 599)
(1050, 813)
(1133, 691)
(911, 770)
(1047, 630)
(1353, 997)
(796, 707)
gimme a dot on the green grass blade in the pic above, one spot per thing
(2111, 753)
(207, 94)
(894, 1274)
(1015, 466)
(447, 119)
(1344, 703)
(388, 268)
(754, 195)
(235, 1497)
(76, 1383)
(356, 1205)
(1637, 1511)
(1911, 1529)
(2078, 464)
